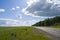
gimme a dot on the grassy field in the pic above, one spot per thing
(21, 33)
(57, 25)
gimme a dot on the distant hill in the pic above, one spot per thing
(48, 22)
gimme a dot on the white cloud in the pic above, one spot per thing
(11, 22)
(17, 7)
(2, 10)
(13, 8)
(7, 22)
(31, 2)
(42, 8)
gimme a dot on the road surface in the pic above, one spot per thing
(53, 33)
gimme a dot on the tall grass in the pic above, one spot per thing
(22, 33)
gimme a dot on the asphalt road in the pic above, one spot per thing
(53, 33)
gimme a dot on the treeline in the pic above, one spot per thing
(48, 22)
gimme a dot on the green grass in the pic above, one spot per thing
(57, 25)
(22, 33)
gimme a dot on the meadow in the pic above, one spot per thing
(21, 33)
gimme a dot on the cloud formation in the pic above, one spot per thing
(2, 10)
(13, 8)
(42, 8)
(17, 7)
(11, 22)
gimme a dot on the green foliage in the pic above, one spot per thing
(48, 22)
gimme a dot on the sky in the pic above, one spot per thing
(27, 12)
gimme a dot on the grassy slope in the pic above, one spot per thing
(22, 33)
(57, 25)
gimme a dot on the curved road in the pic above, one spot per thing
(53, 33)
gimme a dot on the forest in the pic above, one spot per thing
(48, 22)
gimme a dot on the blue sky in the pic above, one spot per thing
(27, 12)
(12, 9)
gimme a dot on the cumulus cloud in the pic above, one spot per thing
(11, 22)
(42, 8)
(2, 10)
(13, 8)
(17, 7)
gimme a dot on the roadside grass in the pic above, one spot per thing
(54, 26)
(57, 25)
(22, 33)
